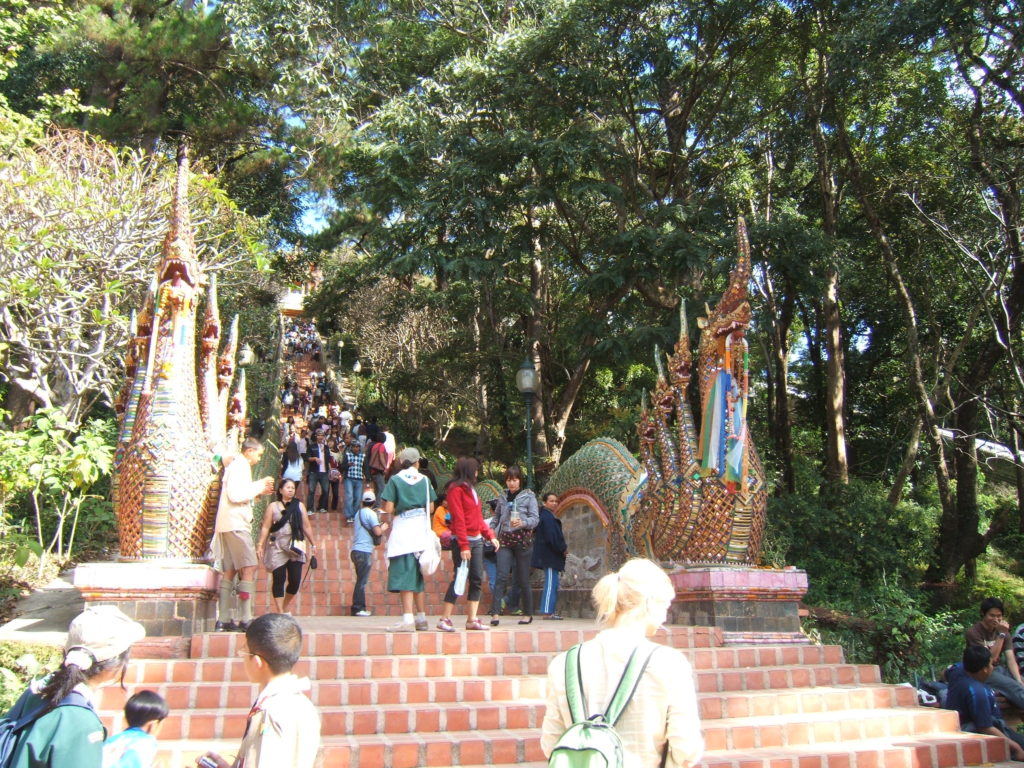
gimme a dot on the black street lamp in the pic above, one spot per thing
(526, 383)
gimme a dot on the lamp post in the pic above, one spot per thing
(526, 383)
(341, 346)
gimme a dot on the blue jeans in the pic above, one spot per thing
(550, 594)
(1003, 682)
(491, 568)
(362, 562)
(314, 479)
(353, 496)
(514, 566)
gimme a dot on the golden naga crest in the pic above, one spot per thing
(704, 497)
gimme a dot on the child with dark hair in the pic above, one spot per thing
(975, 702)
(135, 747)
(283, 727)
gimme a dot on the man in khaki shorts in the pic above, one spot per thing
(232, 537)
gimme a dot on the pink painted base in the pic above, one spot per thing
(749, 605)
(150, 575)
(170, 599)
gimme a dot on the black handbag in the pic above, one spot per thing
(313, 564)
(376, 537)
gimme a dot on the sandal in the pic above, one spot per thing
(476, 624)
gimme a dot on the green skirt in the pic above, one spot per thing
(404, 574)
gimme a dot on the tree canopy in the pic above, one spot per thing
(550, 180)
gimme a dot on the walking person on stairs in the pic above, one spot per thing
(410, 498)
(233, 549)
(319, 472)
(660, 725)
(468, 531)
(353, 469)
(284, 523)
(367, 526)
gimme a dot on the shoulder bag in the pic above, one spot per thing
(430, 557)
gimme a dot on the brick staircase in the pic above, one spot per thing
(468, 699)
(474, 699)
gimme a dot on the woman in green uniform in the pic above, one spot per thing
(410, 496)
(65, 730)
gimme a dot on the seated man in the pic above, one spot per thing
(975, 702)
(993, 634)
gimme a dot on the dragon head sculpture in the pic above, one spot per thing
(180, 266)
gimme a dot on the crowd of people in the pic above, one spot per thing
(335, 461)
(301, 338)
(54, 723)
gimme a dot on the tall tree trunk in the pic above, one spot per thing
(837, 469)
(535, 335)
(924, 398)
(780, 426)
(563, 408)
(959, 540)
(909, 460)
(480, 387)
(1018, 472)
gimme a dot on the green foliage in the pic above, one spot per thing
(57, 470)
(80, 236)
(852, 543)
(891, 628)
(20, 664)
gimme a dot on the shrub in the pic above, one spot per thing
(853, 543)
(20, 663)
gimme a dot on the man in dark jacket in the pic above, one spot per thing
(549, 549)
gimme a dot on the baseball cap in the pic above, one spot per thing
(409, 454)
(102, 632)
(369, 498)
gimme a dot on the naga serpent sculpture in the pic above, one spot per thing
(173, 422)
(694, 497)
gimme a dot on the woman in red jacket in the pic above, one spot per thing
(468, 533)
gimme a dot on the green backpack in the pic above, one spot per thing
(591, 742)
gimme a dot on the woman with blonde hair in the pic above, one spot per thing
(661, 724)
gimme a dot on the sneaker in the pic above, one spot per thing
(362, 613)
(422, 625)
(445, 625)
(402, 627)
(221, 626)
(478, 625)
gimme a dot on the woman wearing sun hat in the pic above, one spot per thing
(62, 728)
